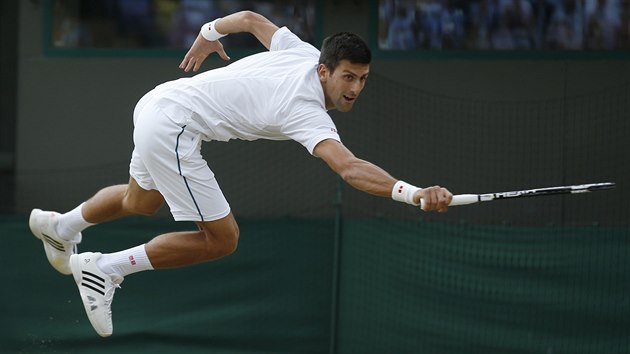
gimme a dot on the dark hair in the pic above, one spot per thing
(344, 46)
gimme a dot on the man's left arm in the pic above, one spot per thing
(369, 178)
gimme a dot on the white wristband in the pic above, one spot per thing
(209, 31)
(403, 192)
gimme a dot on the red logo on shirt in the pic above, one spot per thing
(333, 130)
(132, 260)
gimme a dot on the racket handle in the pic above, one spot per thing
(459, 199)
(463, 199)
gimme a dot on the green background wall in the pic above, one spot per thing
(404, 287)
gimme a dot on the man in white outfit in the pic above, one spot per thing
(280, 94)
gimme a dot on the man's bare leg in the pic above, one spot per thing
(215, 239)
(212, 240)
(118, 201)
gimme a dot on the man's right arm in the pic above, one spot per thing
(244, 21)
(369, 178)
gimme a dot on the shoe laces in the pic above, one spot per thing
(109, 293)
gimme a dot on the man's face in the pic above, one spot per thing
(343, 86)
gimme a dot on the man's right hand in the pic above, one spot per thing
(434, 198)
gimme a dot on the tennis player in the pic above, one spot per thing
(280, 94)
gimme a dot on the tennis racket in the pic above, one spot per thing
(463, 199)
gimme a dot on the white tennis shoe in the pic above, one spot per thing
(96, 289)
(58, 250)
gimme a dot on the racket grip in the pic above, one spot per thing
(463, 199)
(459, 199)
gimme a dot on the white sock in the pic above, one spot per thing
(71, 223)
(125, 262)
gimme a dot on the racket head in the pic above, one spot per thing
(601, 186)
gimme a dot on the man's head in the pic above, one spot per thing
(344, 64)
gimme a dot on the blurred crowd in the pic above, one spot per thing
(504, 24)
(165, 23)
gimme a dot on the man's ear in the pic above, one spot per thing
(322, 72)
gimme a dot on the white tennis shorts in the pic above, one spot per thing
(167, 157)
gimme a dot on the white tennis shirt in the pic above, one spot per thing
(273, 95)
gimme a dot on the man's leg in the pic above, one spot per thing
(61, 233)
(119, 201)
(98, 275)
(213, 240)
(108, 204)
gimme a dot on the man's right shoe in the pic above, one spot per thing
(96, 289)
(58, 250)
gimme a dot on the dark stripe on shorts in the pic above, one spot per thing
(179, 168)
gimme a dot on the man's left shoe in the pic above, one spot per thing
(58, 250)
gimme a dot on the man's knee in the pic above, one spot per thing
(226, 243)
(222, 238)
